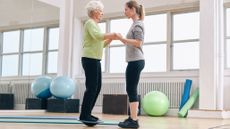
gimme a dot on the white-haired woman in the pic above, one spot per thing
(94, 41)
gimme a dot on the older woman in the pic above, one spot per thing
(94, 41)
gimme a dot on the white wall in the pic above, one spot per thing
(21, 12)
(56, 3)
(226, 92)
(117, 6)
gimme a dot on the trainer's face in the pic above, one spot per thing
(129, 12)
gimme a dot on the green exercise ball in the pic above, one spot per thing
(155, 103)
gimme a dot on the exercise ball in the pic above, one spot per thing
(155, 103)
(40, 87)
(62, 87)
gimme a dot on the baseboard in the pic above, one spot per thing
(171, 112)
(217, 114)
(19, 106)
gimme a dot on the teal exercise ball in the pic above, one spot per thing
(155, 103)
(40, 87)
(62, 87)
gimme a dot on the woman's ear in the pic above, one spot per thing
(133, 9)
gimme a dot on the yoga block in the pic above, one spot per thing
(35, 103)
(63, 105)
(6, 101)
(116, 104)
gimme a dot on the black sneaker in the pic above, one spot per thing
(94, 117)
(89, 121)
(129, 123)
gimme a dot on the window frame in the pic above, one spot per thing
(226, 37)
(47, 51)
(169, 41)
(20, 54)
(180, 41)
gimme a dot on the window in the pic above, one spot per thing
(53, 38)
(32, 51)
(10, 65)
(228, 38)
(155, 28)
(228, 53)
(27, 52)
(11, 41)
(33, 40)
(32, 64)
(186, 55)
(228, 20)
(154, 44)
(102, 26)
(120, 26)
(117, 50)
(117, 60)
(53, 50)
(186, 41)
(155, 48)
(10, 59)
(168, 36)
(155, 58)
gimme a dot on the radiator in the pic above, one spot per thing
(5, 88)
(173, 90)
(21, 91)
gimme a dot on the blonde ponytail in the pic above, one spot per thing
(139, 8)
(142, 12)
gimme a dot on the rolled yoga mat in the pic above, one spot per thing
(186, 93)
(189, 103)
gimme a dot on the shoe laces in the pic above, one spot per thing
(129, 119)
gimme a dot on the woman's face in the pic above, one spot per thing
(97, 14)
(129, 12)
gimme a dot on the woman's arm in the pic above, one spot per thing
(107, 42)
(134, 42)
(109, 36)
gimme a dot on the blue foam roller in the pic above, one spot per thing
(186, 93)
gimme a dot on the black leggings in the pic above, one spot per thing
(133, 72)
(92, 68)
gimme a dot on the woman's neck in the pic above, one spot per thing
(135, 18)
(95, 20)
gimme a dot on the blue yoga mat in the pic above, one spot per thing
(186, 93)
(48, 120)
(52, 121)
(40, 117)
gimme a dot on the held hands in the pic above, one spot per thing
(118, 36)
(115, 36)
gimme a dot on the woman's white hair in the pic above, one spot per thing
(94, 5)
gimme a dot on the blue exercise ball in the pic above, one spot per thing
(155, 103)
(40, 87)
(62, 87)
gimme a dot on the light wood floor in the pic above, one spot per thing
(146, 122)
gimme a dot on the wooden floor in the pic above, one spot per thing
(146, 122)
